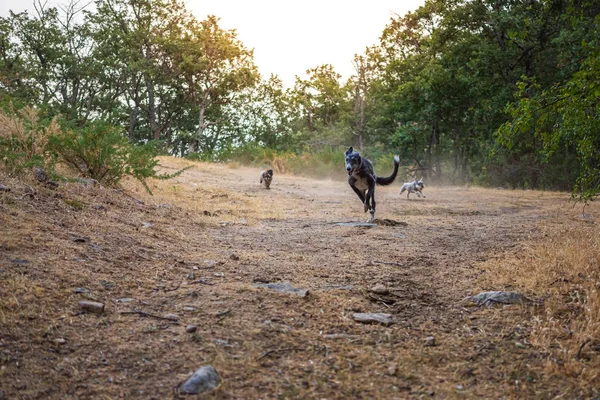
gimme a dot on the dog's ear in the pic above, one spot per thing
(270, 171)
(350, 150)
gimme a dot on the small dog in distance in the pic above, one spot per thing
(266, 177)
(415, 186)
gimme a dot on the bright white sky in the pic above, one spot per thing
(289, 37)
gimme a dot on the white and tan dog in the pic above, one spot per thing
(415, 186)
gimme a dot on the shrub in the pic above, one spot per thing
(100, 152)
(24, 140)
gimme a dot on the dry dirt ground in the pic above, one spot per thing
(198, 247)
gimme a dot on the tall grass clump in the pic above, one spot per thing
(24, 140)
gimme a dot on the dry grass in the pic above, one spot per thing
(218, 223)
(24, 134)
(563, 269)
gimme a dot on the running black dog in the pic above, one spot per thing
(362, 178)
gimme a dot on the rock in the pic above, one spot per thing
(399, 235)
(4, 188)
(284, 287)
(234, 257)
(172, 317)
(191, 276)
(392, 370)
(338, 287)
(520, 345)
(123, 300)
(379, 289)
(43, 177)
(189, 308)
(429, 341)
(20, 262)
(40, 175)
(203, 380)
(373, 318)
(92, 307)
(489, 298)
(357, 224)
(191, 328)
(334, 336)
(59, 341)
(210, 263)
(80, 290)
(86, 181)
(147, 225)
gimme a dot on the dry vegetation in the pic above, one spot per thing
(217, 223)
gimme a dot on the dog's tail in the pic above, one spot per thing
(390, 179)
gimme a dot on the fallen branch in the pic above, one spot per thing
(130, 196)
(578, 355)
(145, 314)
(223, 313)
(202, 281)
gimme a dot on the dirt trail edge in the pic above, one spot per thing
(202, 252)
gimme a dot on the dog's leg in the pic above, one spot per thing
(402, 190)
(359, 194)
(371, 196)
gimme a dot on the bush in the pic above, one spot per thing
(24, 140)
(100, 152)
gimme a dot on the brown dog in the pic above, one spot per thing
(266, 177)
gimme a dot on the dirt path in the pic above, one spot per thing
(214, 234)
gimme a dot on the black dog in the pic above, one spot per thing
(362, 178)
(266, 177)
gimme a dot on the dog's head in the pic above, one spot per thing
(353, 160)
(420, 183)
(268, 175)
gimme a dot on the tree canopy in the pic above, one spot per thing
(501, 92)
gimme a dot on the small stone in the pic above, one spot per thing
(80, 290)
(392, 370)
(339, 336)
(219, 274)
(4, 188)
(191, 328)
(284, 287)
(191, 276)
(124, 300)
(460, 387)
(146, 225)
(234, 257)
(203, 380)
(429, 341)
(92, 306)
(520, 345)
(60, 341)
(379, 289)
(189, 308)
(373, 318)
(172, 317)
(490, 298)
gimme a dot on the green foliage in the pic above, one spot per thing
(100, 152)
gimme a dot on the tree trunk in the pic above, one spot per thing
(152, 110)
